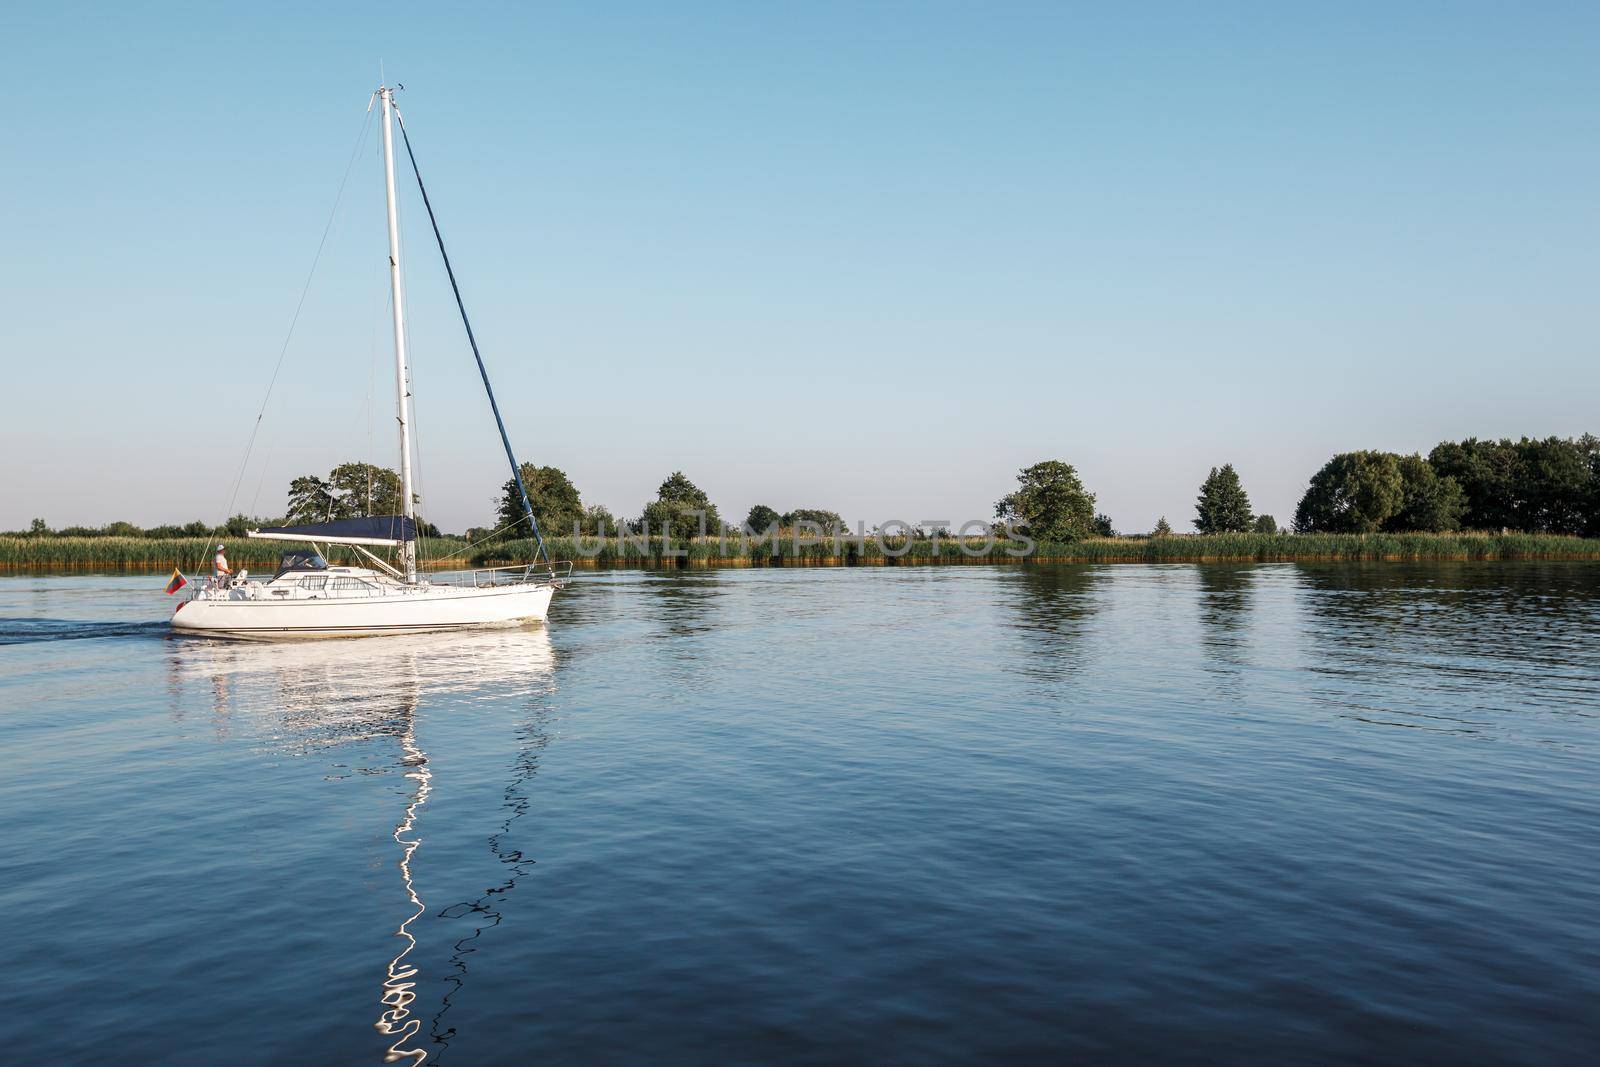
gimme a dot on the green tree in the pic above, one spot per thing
(598, 521)
(1488, 474)
(310, 500)
(1050, 503)
(1354, 492)
(1544, 485)
(238, 524)
(1265, 524)
(828, 521)
(350, 491)
(38, 528)
(680, 509)
(362, 489)
(761, 519)
(1557, 483)
(1103, 527)
(1222, 506)
(554, 498)
(1591, 507)
(1429, 503)
(1163, 528)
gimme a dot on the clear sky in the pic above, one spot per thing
(872, 257)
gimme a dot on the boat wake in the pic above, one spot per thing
(30, 629)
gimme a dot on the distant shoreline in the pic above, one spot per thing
(51, 554)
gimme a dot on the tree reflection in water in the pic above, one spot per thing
(1052, 608)
(318, 694)
(1225, 594)
(685, 603)
(1446, 646)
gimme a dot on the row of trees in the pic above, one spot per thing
(762, 519)
(1051, 503)
(1548, 486)
(1543, 486)
(1551, 485)
(559, 508)
(1537, 486)
(1365, 492)
(197, 528)
(680, 507)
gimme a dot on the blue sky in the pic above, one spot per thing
(867, 257)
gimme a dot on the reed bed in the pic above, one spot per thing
(162, 553)
(192, 554)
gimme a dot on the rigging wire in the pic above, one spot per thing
(505, 439)
(490, 536)
(266, 462)
(294, 320)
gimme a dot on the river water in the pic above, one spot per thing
(933, 815)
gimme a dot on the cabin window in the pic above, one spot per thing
(353, 585)
(300, 560)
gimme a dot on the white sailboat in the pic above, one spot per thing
(310, 597)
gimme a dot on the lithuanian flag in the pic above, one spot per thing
(177, 583)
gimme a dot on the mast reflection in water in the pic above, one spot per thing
(331, 693)
(398, 988)
(486, 910)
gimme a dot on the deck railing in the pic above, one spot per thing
(345, 586)
(522, 574)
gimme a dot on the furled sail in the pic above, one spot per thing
(371, 530)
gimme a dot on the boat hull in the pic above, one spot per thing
(413, 612)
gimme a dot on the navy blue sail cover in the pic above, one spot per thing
(376, 527)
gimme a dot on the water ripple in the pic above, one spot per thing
(1279, 813)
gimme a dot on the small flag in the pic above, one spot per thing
(177, 583)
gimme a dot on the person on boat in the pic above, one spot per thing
(220, 568)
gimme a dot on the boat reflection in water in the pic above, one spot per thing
(310, 696)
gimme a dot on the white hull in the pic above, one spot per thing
(415, 610)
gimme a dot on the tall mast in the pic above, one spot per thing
(402, 376)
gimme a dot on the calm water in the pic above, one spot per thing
(801, 816)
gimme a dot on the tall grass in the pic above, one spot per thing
(192, 554)
(160, 553)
